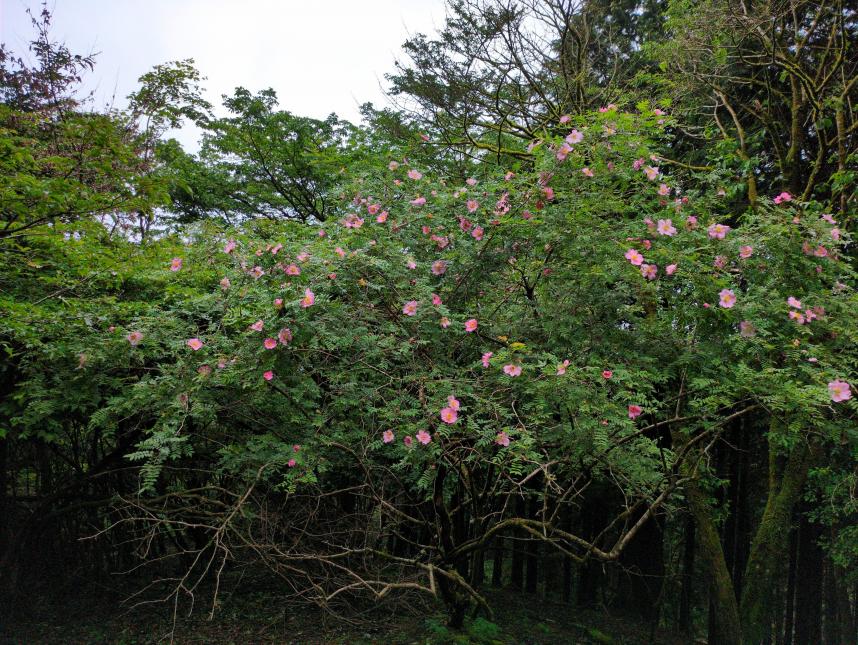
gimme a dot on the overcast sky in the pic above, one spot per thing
(320, 56)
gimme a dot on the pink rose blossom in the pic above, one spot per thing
(225, 284)
(407, 440)
(257, 326)
(745, 252)
(387, 436)
(512, 370)
(561, 369)
(176, 264)
(502, 439)
(670, 269)
(727, 298)
(634, 257)
(268, 375)
(424, 437)
(839, 391)
(606, 374)
(229, 247)
(414, 174)
(436, 299)
(574, 137)
(270, 343)
(666, 227)
(134, 338)
(418, 201)
(410, 308)
(747, 329)
(473, 205)
(783, 197)
(718, 231)
(439, 267)
(794, 302)
(449, 415)
(195, 344)
(486, 358)
(471, 325)
(293, 269)
(284, 336)
(309, 299)
(635, 411)
(649, 271)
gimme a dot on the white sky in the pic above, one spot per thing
(320, 56)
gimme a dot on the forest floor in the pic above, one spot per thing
(250, 618)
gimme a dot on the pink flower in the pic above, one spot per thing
(270, 343)
(664, 190)
(720, 262)
(718, 231)
(574, 137)
(670, 269)
(257, 326)
(658, 112)
(134, 338)
(285, 336)
(477, 233)
(453, 402)
(257, 272)
(638, 163)
(372, 209)
(309, 299)
(278, 303)
(797, 316)
(194, 343)
(635, 411)
(561, 369)
(414, 174)
(387, 436)
(745, 252)
(439, 267)
(666, 227)
(418, 201)
(339, 251)
(473, 205)
(410, 308)
(512, 370)
(268, 375)
(352, 221)
(449, 415)
(691, 222)
(828, 217)
(176, 264)
(471, 325)
(651, 173)
(424, 437)
(835, 234)
(204, 370)
(291, 463)
(794, 302)
(747, 329)
(783, 197)
(382, 217)
(840, 391)
(276, 249)
(727, 298)
(649, 271)
(565, 118)
(293, 269)
(606, 374)
(411, 264)
(229, 247)
(436, 299)
(634, 257)
(647, 244)
(225, 284)
(820, 251)
(486, 358)
(407, 440)
(393, 165)
(586, 172)
(445, 322)
(502, 439)
(548, 191)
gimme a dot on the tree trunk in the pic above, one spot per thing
(727, 628)
(497, 568)
(517, 571)
(789, 613)
(769, 547)
(686, 595)
(808, 596)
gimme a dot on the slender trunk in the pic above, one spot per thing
(808, 597)
(725, 615)
(769, 547)
(497, 568)
(686, 597)
(531, 580)
(789, 613)
(517, 571)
